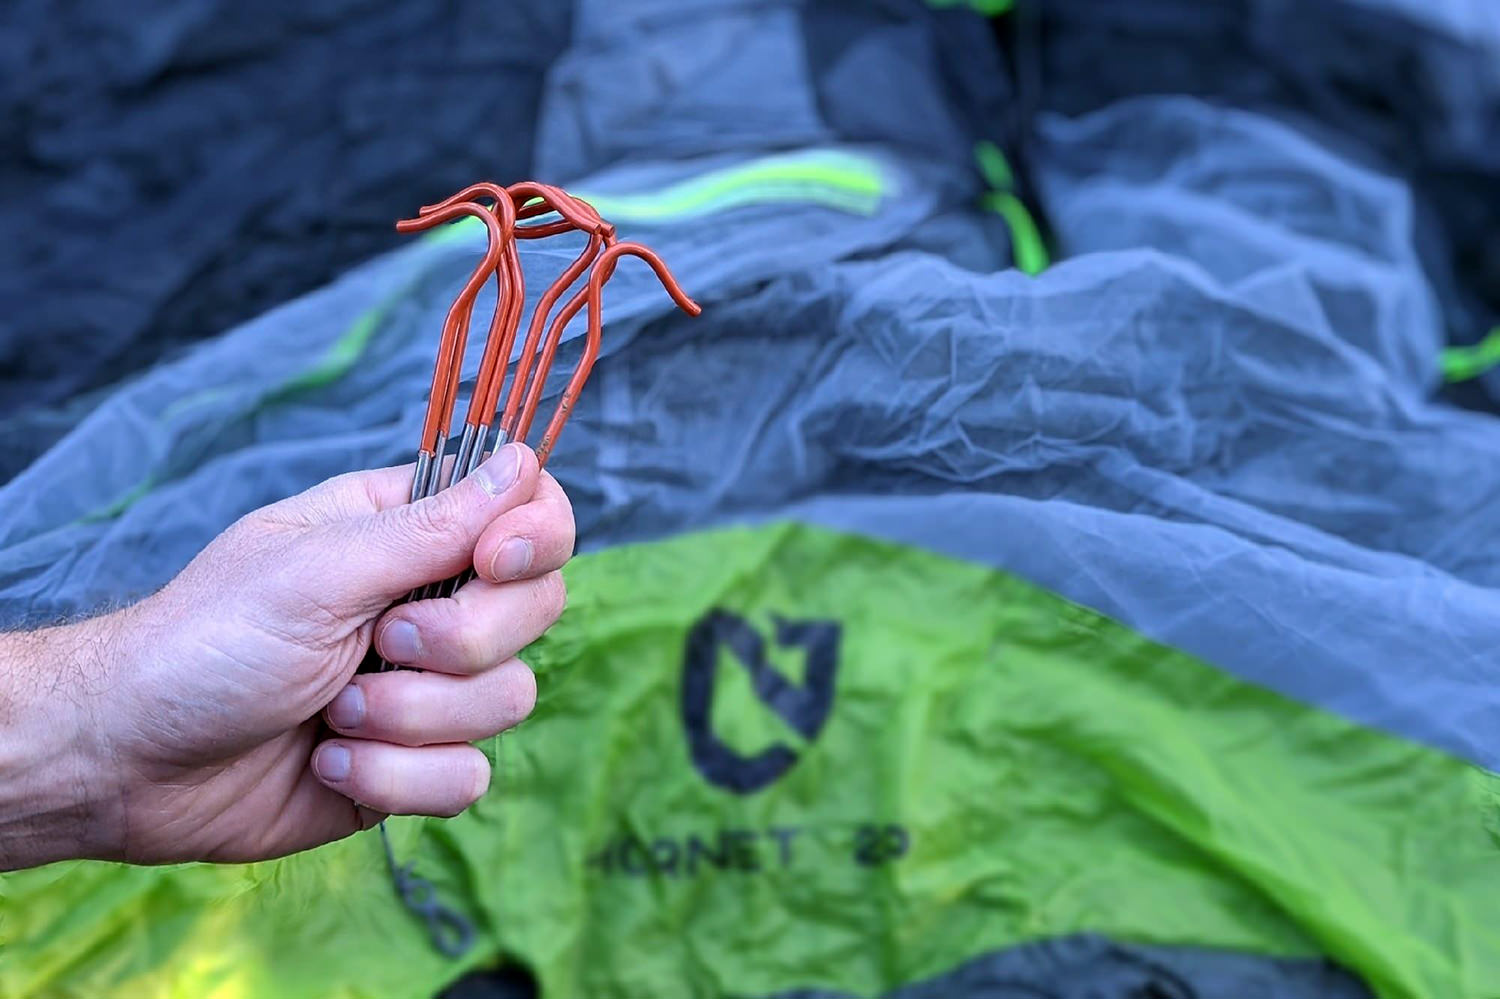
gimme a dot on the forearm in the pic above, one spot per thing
(57, 791)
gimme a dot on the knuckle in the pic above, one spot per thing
(470, 779)
(391, 709)
(471, 641)
(377, 787)
(559, 511)
(252, 524)
(557, 521)
(552, 595)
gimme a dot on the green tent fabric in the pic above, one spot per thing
(736, 783)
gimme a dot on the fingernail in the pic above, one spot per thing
(400, 642)
(332, 763)
(511, 560)
(347, 710)
(500, 472)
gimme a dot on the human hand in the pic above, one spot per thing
(198, 716)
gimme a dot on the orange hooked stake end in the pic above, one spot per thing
(505, 211)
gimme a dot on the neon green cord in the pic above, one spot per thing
(1026, 239)
(1460, 364)
(843, 181)
(989, 8)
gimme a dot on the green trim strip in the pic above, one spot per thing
(1026, 241)
(334, 364)
(1027, 245)
(1460, 364)
(989, 8)
(843, 181)
(120, 504)
(343, 353)
(994, 166)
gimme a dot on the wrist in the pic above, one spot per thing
(59, 794)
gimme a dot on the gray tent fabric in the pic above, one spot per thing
(1109, 430)
(336, 380)
(659, 79)
(1409, 87)
(131, 129)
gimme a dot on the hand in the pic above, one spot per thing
(196, 719)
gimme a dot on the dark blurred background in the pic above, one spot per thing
(171, 169)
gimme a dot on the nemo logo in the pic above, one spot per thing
(804, 707)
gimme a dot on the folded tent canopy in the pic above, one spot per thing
(941, 629)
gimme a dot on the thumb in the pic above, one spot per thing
(385, 555)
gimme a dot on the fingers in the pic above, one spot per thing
(418, 709)
(411, 544)
(482, 624)
(402, 780)
(529, 540)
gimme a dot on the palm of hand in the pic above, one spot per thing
(223, 759)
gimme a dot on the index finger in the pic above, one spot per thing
(529, 540)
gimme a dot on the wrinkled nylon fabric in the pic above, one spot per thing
(1221, 439)
(660, 79)
(962, 763)
(171, 175)
(1410, 86)
(336, 381)
(326, 120)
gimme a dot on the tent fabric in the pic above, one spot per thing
(336, 381)
(1212, 423)
(1410, 87)
(1076, 967)
(1232, 394)
(944, 762)
(660, 79)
